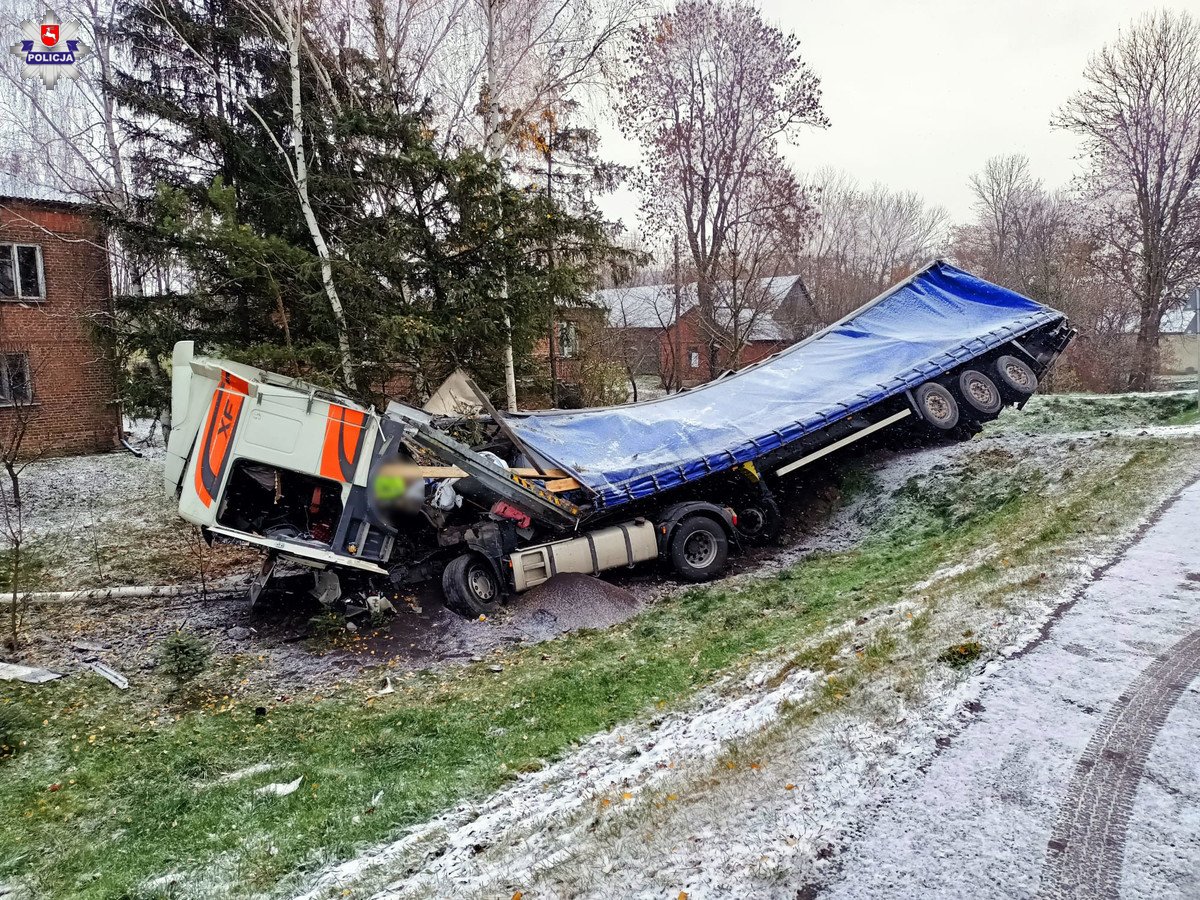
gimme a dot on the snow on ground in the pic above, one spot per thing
(105, 519)
(732, 796)
(979, 822)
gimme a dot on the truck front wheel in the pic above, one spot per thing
(471, 586)
(699, 548)
(759, 521)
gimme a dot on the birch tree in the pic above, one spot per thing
(290, 19)
(536, 53)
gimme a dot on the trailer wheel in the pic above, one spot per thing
(1016, 376)
(937, 406)
(471, 586)
(699, 548)
(979, 392)
(759, 521)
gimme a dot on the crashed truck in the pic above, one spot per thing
(493, 504)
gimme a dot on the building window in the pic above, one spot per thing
(16, 383)
(21, 275)
(568, 340)
(693, 358)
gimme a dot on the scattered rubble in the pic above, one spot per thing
(28, 674)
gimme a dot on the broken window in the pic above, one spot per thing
(16, 384)
(21, 275)
(280, 503)
(693, 358)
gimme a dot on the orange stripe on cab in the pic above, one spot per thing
(344, 433)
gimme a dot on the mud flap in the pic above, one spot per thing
(328, 587)
(261, 579)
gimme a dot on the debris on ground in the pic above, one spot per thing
(115, 678)
(248, 772)
(279, 790)
(385, 689)
(27, 674)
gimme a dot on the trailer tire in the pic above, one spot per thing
(699, 548)
(471, 586)
(937, 406)
(979, 392)
(1016, 376)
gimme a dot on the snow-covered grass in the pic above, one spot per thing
(1099, 412)
(105, 520)
(748, 789)
(722, 742)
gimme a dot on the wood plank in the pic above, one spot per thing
(534, 473)
(559, 485)
(416, 471)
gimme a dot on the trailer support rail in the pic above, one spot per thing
(836, 445)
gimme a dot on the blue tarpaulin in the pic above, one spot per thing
(920, 329)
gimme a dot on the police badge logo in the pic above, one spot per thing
(51, 49)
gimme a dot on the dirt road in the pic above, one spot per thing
(1079, 777)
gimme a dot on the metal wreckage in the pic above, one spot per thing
(372, 500)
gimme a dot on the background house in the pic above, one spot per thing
(654, 332)
(1179, 344)
(54, 289)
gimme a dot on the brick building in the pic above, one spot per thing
(54, 287)
(751, 321)
(687, 352)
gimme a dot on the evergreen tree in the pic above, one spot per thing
(413, 228)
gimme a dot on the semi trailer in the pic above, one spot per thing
(495, 503)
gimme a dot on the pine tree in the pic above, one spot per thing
(413, 228)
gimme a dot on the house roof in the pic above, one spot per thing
(653, 305)
(1178, 321)
(20, 187)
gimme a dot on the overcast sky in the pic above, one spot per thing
(921, 92)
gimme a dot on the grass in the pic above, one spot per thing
(140, 777)
(1048, 413)
(960, 656)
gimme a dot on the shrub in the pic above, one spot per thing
(184, 656)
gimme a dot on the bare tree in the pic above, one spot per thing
(1139, 115)
(768, 216)
(69, 139)
(712, 92)
(863, 241)
(1023, 236)
(902, 232)
(16, 420)
(1004, 192)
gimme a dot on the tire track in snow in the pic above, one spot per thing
(1087, 846)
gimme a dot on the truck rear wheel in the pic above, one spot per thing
(1016, 375)
(937, 406)
(699, 548)
(979, 392)
(471, 586)
(759, 521)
